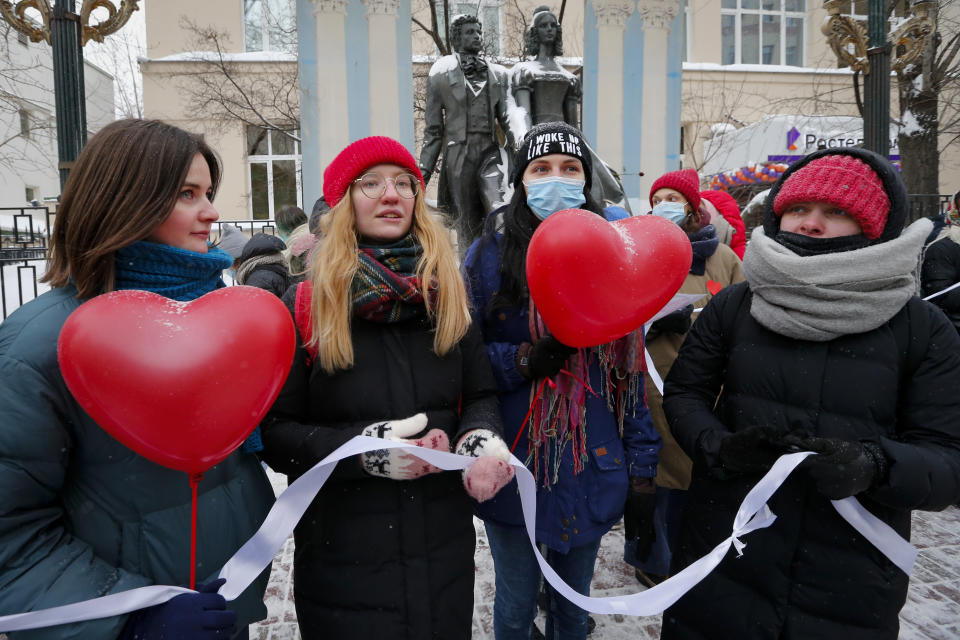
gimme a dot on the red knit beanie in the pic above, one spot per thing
(359, 156)
(844, 181)
(687, 182)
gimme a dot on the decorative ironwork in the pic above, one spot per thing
(910, 38)
(14, 12)
(848, 37)
(17, 17)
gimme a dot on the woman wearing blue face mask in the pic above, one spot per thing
(676, 197)
(584, 455)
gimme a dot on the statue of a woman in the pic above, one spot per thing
(546, 92)
(541, 87)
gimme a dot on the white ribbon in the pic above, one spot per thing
(258, 552)
(943, 291)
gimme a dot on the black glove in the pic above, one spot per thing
(638, 516)
(842, 468)
(189, 616)
(548, 356)
(675, 322)
(752, 451)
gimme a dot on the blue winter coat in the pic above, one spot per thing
(578, 508)
(83, 516)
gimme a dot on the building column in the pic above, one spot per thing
(657, 16)
(384, 69)
(612, 16)
(333, 119)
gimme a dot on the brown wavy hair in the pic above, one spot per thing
(123, 186)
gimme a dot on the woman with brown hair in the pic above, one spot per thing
(386, 549)
(81, 515)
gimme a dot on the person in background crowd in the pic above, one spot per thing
(753, 213)
(825, 348)
(320, 207)
(676, 196)
(289, 217)
(232, 241)
(262, 264)
(81, 515)
(941, 270)
(302, 243)
(386, 549)
(726, 206)
(582, 487)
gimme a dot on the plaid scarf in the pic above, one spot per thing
(386, 287)
(558, 413)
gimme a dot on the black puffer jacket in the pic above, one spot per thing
(262, 265)
(810, 574)
(380, 558)
(941, 269)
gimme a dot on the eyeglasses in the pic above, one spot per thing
(373, 185)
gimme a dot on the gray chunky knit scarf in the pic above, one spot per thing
(822, 297)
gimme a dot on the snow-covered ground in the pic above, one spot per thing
(932, 611)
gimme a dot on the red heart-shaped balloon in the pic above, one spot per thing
(594, 281)
(180, 383)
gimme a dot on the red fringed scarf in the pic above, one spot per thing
(558, 414)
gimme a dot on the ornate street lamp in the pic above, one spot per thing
(868, 51)
(67, 32)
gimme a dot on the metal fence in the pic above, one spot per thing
(25, 237)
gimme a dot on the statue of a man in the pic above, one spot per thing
(466, 101)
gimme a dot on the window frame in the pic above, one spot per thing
(268, 160)
(265, 13)
(783, 15)
(477, 9)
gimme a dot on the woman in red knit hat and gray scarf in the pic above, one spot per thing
(386, 548)
(824, 348)
(676, 196)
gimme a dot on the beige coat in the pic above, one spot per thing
(723, 268)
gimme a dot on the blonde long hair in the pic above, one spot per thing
(335, 262)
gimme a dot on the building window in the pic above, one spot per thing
(275, 172)
(270, 25)
(489, 14)
(23, 39)
(30, 194)
(25, 123)
(763, 31)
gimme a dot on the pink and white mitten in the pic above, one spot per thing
(397, 464)
(491, 471)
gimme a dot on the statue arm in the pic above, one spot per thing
(433, 130)
(502, 109)
(571, 103)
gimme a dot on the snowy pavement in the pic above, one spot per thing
(932, 611)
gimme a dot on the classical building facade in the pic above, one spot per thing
(663, 81)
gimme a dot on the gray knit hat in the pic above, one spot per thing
(232, 240)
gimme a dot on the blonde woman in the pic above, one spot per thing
(386, 549)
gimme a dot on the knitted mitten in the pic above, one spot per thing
(491, 471)
(398, 464)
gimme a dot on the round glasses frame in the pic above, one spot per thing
(407, 191)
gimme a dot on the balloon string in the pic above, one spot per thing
(527, 417)
(585, 385)
(195, 479)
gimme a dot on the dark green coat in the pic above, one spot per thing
(83, 516)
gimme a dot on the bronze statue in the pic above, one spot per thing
(546, 92)
(466, 102)
(541, 87)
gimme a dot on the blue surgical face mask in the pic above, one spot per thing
(546, 196)
(675, 212)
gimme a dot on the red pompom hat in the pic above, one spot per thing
(844, 181)
(686, 182)
(359, 156)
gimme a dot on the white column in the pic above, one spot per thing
(384, 70)
(334, 125)
(612, 16)
(657, 16)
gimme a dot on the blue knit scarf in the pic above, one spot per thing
(178, 274)
(704, 244)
